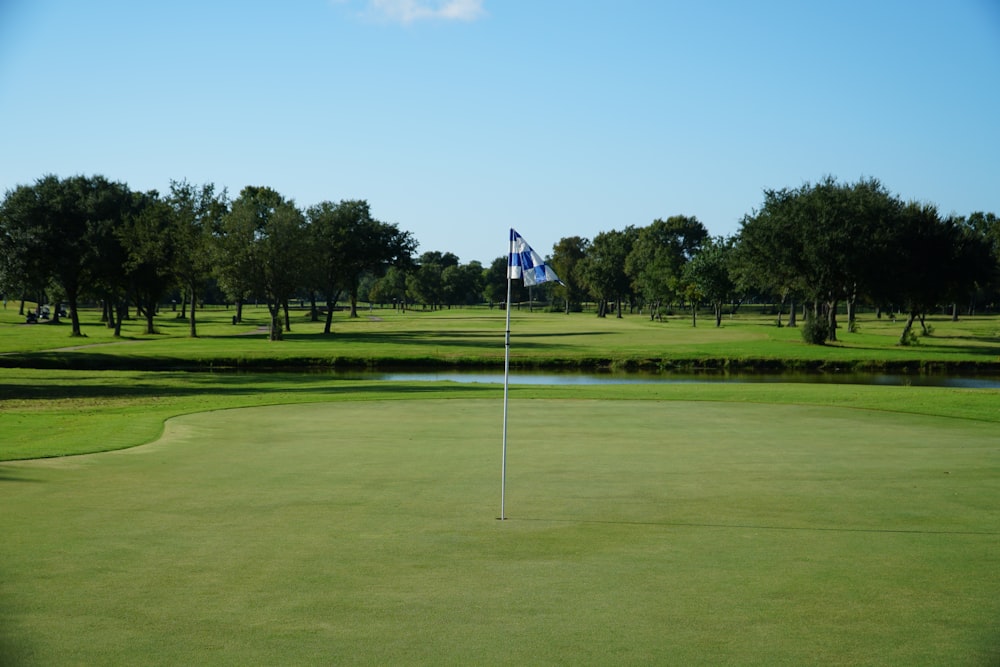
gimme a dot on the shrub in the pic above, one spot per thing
(815, 331)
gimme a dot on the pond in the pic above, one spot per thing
(570, 378)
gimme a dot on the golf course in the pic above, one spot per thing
(227, 500)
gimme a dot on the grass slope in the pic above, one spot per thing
(640, 532)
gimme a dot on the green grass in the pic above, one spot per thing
(340, 521)
(45, 413)
(640, 532)
(474, 337)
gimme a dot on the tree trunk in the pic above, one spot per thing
(74, 316)
(954, 312)
(113, 321)
(313, 309)
(831, 318)
(150, 312)
(329, 316)
(354, 302)
(718, 314)
(288, 322)
(192, 325)
(121, 306)
(275, 310)
(904, 338)
(694, 314)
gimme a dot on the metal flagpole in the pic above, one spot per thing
(506, 374)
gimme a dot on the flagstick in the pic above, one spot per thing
(506, 373)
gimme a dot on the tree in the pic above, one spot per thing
(48, 229)
(110, 269)
(264, 234)
(151, 248)
(235, 258)
(710, 274)
(987, 226)
(767, 251)
(391, 288)
(495, 281)
(427, 283)
(351, 243)
(24, 265)
(826, 241)
(196, 214)
(939, 259)
(463, 283)
(602, 271)
(656, 262)
(567, 255)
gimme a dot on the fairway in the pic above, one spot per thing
(639, 532)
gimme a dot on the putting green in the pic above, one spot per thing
(639, 532)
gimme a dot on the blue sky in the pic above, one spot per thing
(457, 119)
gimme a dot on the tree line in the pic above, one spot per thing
(818, 246)
(821, 245)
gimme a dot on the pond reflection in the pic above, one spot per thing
(570, 378)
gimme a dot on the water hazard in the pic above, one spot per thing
(571, 378)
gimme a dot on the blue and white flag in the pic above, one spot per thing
(527, 264)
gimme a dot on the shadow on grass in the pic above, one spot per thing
(8, 474)
(477, 339)
(740, 526)
(175, 385)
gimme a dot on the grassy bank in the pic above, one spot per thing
(46, 413)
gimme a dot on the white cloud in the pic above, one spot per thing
(408, 11)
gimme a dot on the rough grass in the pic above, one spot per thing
(640, 532)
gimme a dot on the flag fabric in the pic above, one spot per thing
(527, 264)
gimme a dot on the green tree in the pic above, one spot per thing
(709, 271)
(655, 264)
(827, 241)
(939, 260)
(602, 271)
(567, 255)
(495, 281)
(987, 226)
(25, 219)
(151, 248)
(197, 213)
(767, 252)
(463, 284)
(427, 283)
(265, 234)
(391, 287)
(352, 243)
(48, 229)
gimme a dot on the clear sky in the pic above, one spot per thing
(457, 119)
